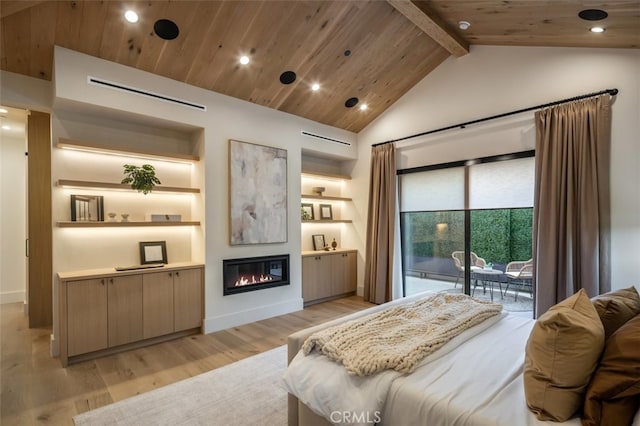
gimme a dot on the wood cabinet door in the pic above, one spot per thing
(311, 269)
(336, 271)
(125, 309)
(86, 316)
(350, 272)
(187, 299)
(344, 273)
(157, 304)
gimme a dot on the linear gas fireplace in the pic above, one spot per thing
(255, 273)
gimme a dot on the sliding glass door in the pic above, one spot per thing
(467, 227)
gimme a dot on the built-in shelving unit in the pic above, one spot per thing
(96, 224)
(89, 146)
(93, 147)
(323, 197)
(322, 175)
(110, 185)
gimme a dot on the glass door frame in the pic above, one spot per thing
(467, 211)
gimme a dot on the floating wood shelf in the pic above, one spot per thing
(109, 185)
(328, 221)
(123, 224)
(325, 197)
(109, 149)
(322, 175)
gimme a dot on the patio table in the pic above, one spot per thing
(487, 276)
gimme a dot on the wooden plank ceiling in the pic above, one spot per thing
(373, 50)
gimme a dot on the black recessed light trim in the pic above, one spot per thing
(351, 102)
(347, 52)
(592, 14)
(287, 77)
(166, 29)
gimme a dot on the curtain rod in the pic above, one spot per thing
(611, 92)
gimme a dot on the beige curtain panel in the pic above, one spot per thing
(378, 270)
(571, 206)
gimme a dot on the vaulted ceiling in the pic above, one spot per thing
(371, 50)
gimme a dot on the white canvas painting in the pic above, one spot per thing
(258, 193)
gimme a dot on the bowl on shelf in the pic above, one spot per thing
(318, 190)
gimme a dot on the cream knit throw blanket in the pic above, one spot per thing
(400, 337)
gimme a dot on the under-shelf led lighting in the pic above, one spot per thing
(363, 107)
(596, 29)
(244, 60)
(315, 87)
(131, 16)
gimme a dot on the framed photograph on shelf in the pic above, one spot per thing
(325, 212)
(257, 194)
(153, 252)
(87, 208)
(318, 242)
(307, 211)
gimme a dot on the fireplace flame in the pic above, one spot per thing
(242, 281)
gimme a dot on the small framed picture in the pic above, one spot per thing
(318, 242)
(307, 211)
(153, 252)
(325, 211)
(87, 208)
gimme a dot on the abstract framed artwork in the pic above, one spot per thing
(257, 194)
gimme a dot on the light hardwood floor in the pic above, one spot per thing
(37, 390)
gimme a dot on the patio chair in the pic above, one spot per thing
(458, 259)
(520, 273)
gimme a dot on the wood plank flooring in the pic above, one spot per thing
(37, 390)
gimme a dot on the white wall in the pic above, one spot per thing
(493, 80)
(12, 218)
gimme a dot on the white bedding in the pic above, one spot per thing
(478, 382)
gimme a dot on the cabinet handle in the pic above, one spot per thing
(111, 280)
(102, 282)
(170, 274)
(178, 274)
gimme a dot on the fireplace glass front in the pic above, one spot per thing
(255, 273)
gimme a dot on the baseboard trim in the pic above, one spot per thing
(12, 297)
(222, 322)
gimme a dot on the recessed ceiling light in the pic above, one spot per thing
(596, 29)
(131, 16)
(5, 127)
(244, 60)
(464, 25)
(592, 14)
(315, 87)
(3, 111)
(363, 107)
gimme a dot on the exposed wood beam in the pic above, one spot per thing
(10, 7)
(418, 13)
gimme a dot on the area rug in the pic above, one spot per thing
(247, 392)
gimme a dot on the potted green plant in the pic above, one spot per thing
(142, 178)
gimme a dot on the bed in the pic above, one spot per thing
(474, 379)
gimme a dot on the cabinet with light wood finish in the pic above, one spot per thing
(106, 311)
(328, 275)
(158, 303)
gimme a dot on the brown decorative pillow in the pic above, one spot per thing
(617, 307)
(561, 355)
(613, 396)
